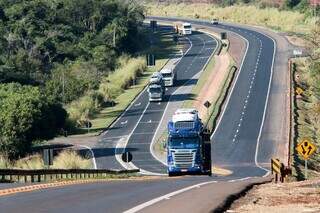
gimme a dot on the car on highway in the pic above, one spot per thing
(214, 21)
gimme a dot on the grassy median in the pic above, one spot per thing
(163, 47)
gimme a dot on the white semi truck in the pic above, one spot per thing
(168, 76)
(183, 28)
(156, 88)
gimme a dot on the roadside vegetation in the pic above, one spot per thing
(66, 159)
(307, 105)
(58, 54)
(289, 16)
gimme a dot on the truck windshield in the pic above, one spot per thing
(187, 27)
(167, 75)
(184, 143)
(155, 90)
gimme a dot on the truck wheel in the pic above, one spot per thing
(170, 174)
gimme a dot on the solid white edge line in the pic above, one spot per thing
(127, 109)
(209, 59)
(233, 86)
(266, 102)
(265, 107)
(165, 197)
(93, 157)
(153, 138)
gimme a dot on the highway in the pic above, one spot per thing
(137, 125)
(236, 143)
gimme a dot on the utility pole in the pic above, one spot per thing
(114, 36)
(63, 85)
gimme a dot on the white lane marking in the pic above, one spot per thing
(155, 133)
(233, 86)
(127, 109)
(153, 139)
(93, 158)
(165, 197)
(127, 140)
(124, 122)
(138, 104)
(265, 108)
(241, 179)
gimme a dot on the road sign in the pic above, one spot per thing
(207, 104)
(151, 60)
(299, 91)
(47, 157)
(127, 157)
(305, 148)
(297, 52)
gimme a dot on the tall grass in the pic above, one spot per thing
(5, 163)
(110, 88)
(30, 162)
(123, 77)
(69, 159)
(289, 21)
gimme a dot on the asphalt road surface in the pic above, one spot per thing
(235, 146)
(138, 124)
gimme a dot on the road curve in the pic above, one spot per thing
(239, 155)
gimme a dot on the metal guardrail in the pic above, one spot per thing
(39, 175)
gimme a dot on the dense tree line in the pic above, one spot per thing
(26, 115)
(53, 52)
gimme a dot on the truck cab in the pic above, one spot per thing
(187, 29)
(187, 146)
(168, 76)
(183, 28)
(156, 88)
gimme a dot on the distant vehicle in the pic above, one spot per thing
(168, 76)
(214, 21)
(183, 28)
(156, 88)
(188, 145)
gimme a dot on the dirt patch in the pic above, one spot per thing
(210, 91)
(297, 41)
(288, 197)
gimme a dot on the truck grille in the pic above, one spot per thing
(183, 160)
(184, 125)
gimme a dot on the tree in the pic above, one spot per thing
(26, 115)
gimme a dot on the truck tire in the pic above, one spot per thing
(207, 158)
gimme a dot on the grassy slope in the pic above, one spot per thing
(307, 118)
(288, 21)
(163, 47)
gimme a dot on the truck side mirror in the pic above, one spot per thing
(206, 135)
(164, 145)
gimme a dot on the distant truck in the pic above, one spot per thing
(183, 28)
(168, 76)
(156, 87)
(214, 21)
(188, 144)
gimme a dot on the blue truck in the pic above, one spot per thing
(188, 144)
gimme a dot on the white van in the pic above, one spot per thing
(168, 76)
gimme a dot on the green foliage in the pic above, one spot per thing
(26, 115)
(38, 34)
(110, 88)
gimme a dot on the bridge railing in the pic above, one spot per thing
(39, 175)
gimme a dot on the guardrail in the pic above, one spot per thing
(38, 175)
(279, 170)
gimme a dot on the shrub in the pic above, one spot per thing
(5, 163)
(69, 159)
(30, 162)
(26, 115)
